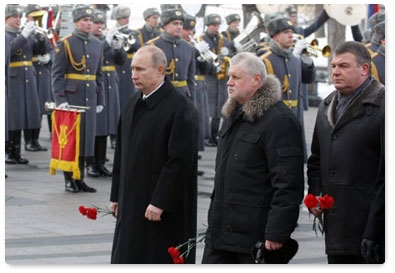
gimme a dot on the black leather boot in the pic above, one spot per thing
(82, 186)
(36, 135)
(70, 184)
(9, 155)
(92, 171)
(17, 148)
(103, 170)
(28, 136)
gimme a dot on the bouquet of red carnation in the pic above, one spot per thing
(323, 203)
(177, 255)
(92, 212)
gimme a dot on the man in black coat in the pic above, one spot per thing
(259, 167)
(154, 186)
(347, 159)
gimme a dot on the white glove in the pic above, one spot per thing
(28, 29)
(116, 44)
(110, 35)
(299, 46)
(44, 59)
(99, 108)
(64, 105)
(202, 46)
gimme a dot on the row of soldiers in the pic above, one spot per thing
(91, 67)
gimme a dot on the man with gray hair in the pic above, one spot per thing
(259, 169)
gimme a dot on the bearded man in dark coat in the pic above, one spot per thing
(154, 185)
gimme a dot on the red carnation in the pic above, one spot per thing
(174, 252)
(311, 201)
(91, 213)
(82, 210)
(326, 202)
(178, 260)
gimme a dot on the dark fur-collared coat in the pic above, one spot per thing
(259, 173)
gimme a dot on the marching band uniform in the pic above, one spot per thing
(216, 80)
(231, 33)
(202, 68)
(42, 65)
(180, 55)
(292, 71)
(125, 85)
(148, 32)
(23, 102)
(107, 120)
(77, 79)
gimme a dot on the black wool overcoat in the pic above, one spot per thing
(155, 162)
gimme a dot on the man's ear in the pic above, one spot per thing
(161, 69)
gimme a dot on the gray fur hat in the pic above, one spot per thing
(170, 15)
(99, 17)
(189, 22)
(232, 17)
(120, 12)
(278, 25)
(212, 19)
(34, 10)
(12, 10)
(82, 12)
(149, 12)
(376, 18)
(379, 30)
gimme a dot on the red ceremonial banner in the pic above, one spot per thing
(65, 142)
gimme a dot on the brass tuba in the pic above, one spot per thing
(248, 39)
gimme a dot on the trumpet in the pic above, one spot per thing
(325, 51)
(49, 106)
(128, 39)
(207, 55)
(48, 33)
(312, 48)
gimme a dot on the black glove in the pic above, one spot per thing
(370, 251)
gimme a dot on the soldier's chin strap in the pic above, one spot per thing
(77, 66)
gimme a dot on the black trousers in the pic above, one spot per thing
(213, 256)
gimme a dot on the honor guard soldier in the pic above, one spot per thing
(291, 67)
(23, 103)
(77, 79)
(203, 67)
(125, 85)
(180, 55)
(150, 30)
(233, 22)
(42, 65)
(375, 41)
(378, 58)
(216, 80)
(107, 120)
